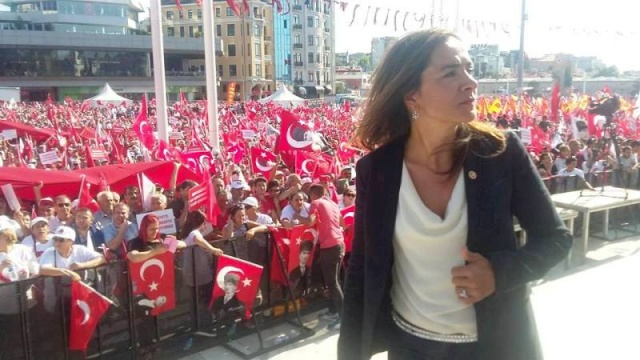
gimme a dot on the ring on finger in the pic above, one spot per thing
(463, 294)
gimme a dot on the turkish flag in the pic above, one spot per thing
(324, 166)
(237, 151)
(142, 128)
(241, 280)
(86, 201)
(294, 133)
(262, 161)
(303, 239)
(87, 308)
(278, 5)
(199, 162)
(348, 214)
(232, 4)
(153, 280)
(162, 152)
(307, 163)
(280, 245)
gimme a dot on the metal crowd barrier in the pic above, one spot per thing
(34, 313)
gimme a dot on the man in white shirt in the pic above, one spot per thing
(63, 212)
(569, 171)
(297, 212)
(65, 258)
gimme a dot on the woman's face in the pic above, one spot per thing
(545, 159)
(239, 217)
(348, 198)
(447, 91)
(152, 230)
(297, 201)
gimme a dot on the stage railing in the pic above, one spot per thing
(34, 313)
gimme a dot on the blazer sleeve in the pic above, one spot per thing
(350, 341)
(548, 239)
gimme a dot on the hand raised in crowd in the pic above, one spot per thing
(475, 280)
(123, 227)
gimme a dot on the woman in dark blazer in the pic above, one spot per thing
(419, 122)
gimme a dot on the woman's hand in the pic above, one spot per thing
(159, 250)
(249, 234)
(475, 280)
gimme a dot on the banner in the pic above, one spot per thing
(87, 308)
(167, 221)
(9, 134)
(153, 285)
(49, 157)
(234, 290)
(231, 92)
(10, 197)
(198, 196)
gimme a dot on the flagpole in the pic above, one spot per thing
(159, 81)
(210, 72)
(521, 53)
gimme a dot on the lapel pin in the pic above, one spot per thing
(473, 175)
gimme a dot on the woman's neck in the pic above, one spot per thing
(424, 143)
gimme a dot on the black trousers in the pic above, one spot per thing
(405, 346)
(330, 259)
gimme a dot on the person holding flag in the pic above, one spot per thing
(146, 249)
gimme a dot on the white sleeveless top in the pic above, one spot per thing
(426, 248)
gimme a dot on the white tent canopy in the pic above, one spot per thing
(107, 96)
(284, 97)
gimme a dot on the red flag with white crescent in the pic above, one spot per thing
(307, 163)
(142, 128)
(280, 247)
(262, 161)
(348, 214)
(235, 288)
(153, 286)
(199, 161)
(294, 133)
(303, 242)
(87, 308)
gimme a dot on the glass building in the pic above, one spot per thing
(282, 52)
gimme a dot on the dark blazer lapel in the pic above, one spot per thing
(473, 179)
(387, 177)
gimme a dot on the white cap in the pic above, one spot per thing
(6, 223)
(238, 184)
(306, 180)
(38, 220)
(65, 232)
(46, 200)
(250, 201)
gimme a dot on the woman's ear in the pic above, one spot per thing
(410, 102)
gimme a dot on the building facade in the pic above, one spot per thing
(71, 48)
(379, 47)
(247, 45)
(305, 47)
(488, 62)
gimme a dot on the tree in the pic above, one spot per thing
(608, 71)
(365, 63)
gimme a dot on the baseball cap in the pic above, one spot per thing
(250, 201)
(7, 223)
(39, 219)
(64, 232)
(238, 184)
(46, 201)
(306, 180)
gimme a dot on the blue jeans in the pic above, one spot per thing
(404, 346)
